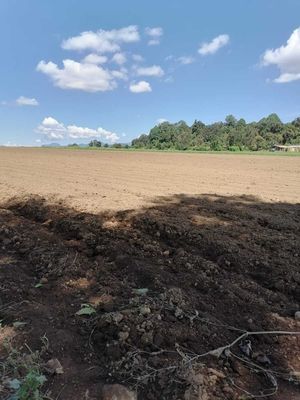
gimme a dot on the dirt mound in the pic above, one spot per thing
(140, 297)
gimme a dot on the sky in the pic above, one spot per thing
(74, 70)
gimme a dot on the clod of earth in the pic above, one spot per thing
(117, 392)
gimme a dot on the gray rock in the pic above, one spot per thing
(297, 315)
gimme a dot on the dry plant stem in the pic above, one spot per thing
(220, 350)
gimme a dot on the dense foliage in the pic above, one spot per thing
(233, 134)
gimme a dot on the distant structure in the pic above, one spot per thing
(281, 147)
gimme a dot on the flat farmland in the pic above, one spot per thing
(99, 180)
(177, 254)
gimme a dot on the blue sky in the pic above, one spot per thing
(132, 63)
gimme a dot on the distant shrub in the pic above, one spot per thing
(234, 148)
(202, 147)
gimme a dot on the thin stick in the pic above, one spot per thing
(220, 350)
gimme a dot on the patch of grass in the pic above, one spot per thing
(21, 376)
(143, 150)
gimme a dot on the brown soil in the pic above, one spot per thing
(209, 263)
(99, 180)
(214, 266)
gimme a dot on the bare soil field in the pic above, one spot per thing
(98, 180)
(176, 275)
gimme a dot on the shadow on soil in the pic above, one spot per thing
(165, 283)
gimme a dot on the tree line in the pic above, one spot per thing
(232, 134)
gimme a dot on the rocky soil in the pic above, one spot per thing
(143, 298)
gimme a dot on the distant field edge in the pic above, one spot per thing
(141, 150)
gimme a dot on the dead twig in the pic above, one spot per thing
(220, 350)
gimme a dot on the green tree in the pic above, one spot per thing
(95, 143)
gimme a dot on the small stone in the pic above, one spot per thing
(178, 313)
(145, 310)
(166, 253)
(297, 315)
(180, 252)
(227, 389)
(53, 366)
(147, 338)
(218, 374)
(117, 392)
(44, 280)
(123, 336)
(116, 317)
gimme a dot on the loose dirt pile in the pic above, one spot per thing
(137, 297)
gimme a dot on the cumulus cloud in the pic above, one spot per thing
(26, 101)
(185, 60)
(140, 87)
(94, 59)
(155, 35)
(51, 129)
(119, 58)
(79, 75)
(102, 41)
(154, 70)
(286, 58)
(95, 72)
(213, 46)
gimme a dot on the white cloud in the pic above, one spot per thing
(185, 60)
(10, 144)
(78, 132)
(153, 42)
(161, 120)
(102, 41)
(94, 59)
(107, 135)
(80, 76)
(154, 70)
(286, 58)
(120, 74)
(169, 79)
(154, 32)
(26, 101)
(213, 46)
(20, 101)
(51, 129)
(140, 87)
(169, 57)
(119, 58)
(137, 58)
(155, 35)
